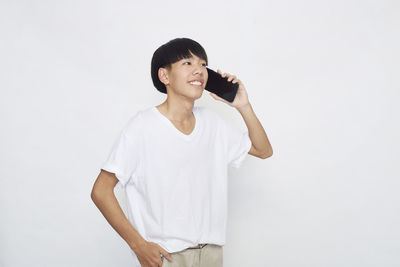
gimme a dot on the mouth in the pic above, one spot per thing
(197, 83)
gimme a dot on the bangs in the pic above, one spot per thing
(181, 51)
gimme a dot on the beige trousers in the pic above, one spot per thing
(209, 255)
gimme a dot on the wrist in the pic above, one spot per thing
(137, 244)
(244, 107)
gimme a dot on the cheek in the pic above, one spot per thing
(184, 78)
(178, 79)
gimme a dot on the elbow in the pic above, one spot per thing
(267, 154)
(98, 197)
(101, 191)
(103, 186)
(94, 194)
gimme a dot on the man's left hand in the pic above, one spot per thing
(241, 98)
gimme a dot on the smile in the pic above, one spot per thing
(196, 83)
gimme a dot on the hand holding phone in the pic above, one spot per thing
(220, 86)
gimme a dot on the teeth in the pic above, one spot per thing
(195, 83)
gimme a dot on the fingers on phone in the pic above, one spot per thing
(232, 78)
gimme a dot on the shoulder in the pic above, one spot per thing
(135, 119)
(141, 116)
(134, 125)
(208, 113)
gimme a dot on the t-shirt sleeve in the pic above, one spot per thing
(238, 144)
(123, 159)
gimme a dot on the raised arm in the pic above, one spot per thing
(261, 147)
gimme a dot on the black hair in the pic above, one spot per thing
(171, 52)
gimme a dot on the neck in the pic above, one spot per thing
(177, 110)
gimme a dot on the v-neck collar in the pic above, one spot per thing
(178, 132)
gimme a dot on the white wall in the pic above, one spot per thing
(323, 79)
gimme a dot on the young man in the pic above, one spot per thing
(173, 161)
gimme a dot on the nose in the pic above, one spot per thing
(198, 69)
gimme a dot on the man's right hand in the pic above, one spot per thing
(103, 196)
(148, 254)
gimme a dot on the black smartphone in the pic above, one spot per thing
(220, 86)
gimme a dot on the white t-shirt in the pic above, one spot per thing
(176, 184)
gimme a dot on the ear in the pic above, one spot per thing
(163, 75)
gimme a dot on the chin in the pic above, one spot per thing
(198, 94)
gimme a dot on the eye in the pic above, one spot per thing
(186, 62)
(204, 64)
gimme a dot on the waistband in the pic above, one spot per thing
(198, 246)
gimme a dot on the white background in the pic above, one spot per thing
(322, 77)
